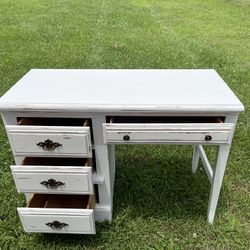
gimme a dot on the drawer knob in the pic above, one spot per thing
(208, 138)
(52, 184)
(57, 225)
(126, 138)
(49, 145)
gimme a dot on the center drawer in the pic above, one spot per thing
(184, 130)
(47, 213)
(54, 175)
(49, 139)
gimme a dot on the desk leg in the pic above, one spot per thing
(196, 158)
(222, 156)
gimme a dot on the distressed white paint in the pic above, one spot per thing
(77, 180)
(223, 152)
(221, 162)
(103, 212)
(75, 140)
(215, 176)
(185, 133)
(97, 179)
(195, 160)
(121, 90)
(80, 221)
(206, 163)
(96, 94)
(103, 160)
(111, 154)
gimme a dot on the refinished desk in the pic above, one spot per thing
(62, 126)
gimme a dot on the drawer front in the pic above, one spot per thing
(205, 133)
(50, 179)
(57, 220)
(50, 141)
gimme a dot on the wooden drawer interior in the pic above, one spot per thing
(51, 121)
(55, 121)
(56, 161)
(62, 201)
(165, 119)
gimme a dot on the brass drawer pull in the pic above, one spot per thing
(57, 225)
(52, 184)
(49, 145)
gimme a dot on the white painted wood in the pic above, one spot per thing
(188, 133)
(62, 93)
(223, 152)
(195, 161)
(102, 168)
(18, 159)
(97, 179)
(111, 153)
(80, 221)
(77, 180)
(75, 140)
(206, 163)
(90, 114)
(9, 118)
(232, 118)
(121, 90)
(221, 162)
(102, 212)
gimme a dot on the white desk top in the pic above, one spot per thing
(121, 90)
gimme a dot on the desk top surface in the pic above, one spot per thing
(121, 90)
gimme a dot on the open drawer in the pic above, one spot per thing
(173, 130)
(47, 213)
(54, 175)
(50, 137)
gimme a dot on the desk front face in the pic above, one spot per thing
(116, 128)
(46, 138)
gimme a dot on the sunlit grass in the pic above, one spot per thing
(158, 202)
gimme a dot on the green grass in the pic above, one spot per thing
(158, 203)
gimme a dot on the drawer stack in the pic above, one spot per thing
(55, 172)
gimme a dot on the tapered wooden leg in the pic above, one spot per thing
(196, 158)
(222, 156)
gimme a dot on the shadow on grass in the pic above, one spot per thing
(160, 188)
(152, 182)
(160, 184)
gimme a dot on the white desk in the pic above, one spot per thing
(63, 124)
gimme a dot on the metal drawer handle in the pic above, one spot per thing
(208, 138)
(49, 145)
(126, 138)
(57, 225)
(52, 184)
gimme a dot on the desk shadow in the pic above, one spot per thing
(157, 181)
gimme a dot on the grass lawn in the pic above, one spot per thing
(158, 202)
